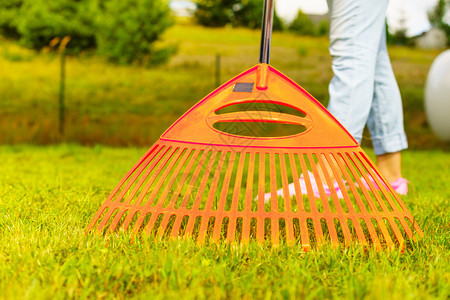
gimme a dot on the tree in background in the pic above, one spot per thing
(239, 13)
(124, 31)
(248, 13)
(437, 17)
(214, 13)
(40, 21)
(128, 29)
(9, 10)
(323, 28)
(302, 25)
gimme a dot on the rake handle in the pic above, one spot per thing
(266, 34)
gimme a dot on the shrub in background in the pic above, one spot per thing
(248, 13)
(40, 21)
(323, 28)
(128, 29)
(9, 12)
(439, 17)
(302, 25)
(243, 13)
(214, 13)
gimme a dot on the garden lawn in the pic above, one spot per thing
(49, 194)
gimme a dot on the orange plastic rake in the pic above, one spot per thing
(210, 173)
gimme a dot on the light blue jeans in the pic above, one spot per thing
(363, 89)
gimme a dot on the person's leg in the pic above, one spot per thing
(389, 165)
(355, 31)
(385, 120)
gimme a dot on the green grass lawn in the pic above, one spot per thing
(49, 194)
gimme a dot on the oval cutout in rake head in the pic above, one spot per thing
(259, 129)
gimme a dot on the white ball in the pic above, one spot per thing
(437, 96)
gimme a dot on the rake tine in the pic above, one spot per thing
(284, 183)
(176, 226)
(184, 155)
(217, 228)
(260, 230)
(298, 194)
(140, 220)
(187, 195)
(416, 227)
(384, 231)
(129, 217)
(145, 164)
(116, 220)
(306, 244)
(149, 227)
(249, 188)
(190, 225)
(332, 231)
(309, 189)
(317, 226)
(273, 183)
(396, 230)
(231, 229)
(169, 164)
(359, 232)
(203, 182)
(245, 230)
(340, 182)
(406, 227)
(358, 199)
(202, 231)
(183, 178)
(237, 184)
(261, 190)
(345, 231)
(147, 158)
(215, 182)
(290, 238)
(326, 205)
(275, 226)
(323, 196)
(96, 217)
(364, 189)
(373, 234)
(351, 209)
(226, 183)
(246, 221)
(382, 185)
(105, 219)
(223, 195)
(152, 179)
(163, 226)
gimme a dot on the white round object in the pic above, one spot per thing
(437, 96)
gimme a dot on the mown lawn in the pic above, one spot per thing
(49, 194)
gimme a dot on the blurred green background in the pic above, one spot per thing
(133, 67)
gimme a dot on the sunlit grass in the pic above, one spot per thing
(49, 194)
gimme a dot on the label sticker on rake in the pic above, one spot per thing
(244, 87)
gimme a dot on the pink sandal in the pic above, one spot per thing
(400, 185)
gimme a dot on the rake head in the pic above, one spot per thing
(245, 163)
